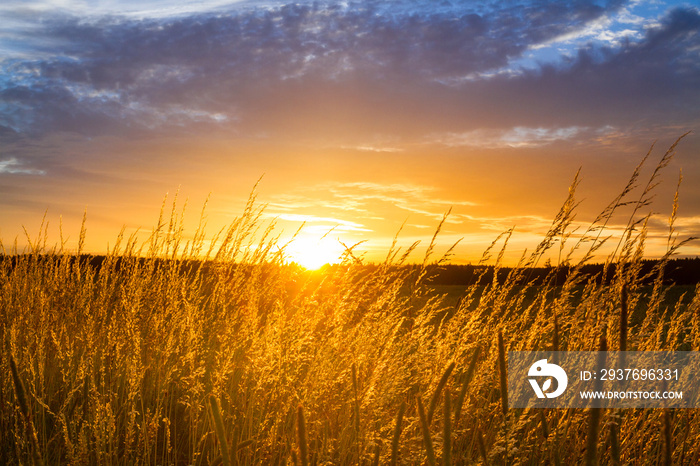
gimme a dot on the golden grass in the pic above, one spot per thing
(204, 351)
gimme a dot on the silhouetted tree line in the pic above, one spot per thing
(681, 271)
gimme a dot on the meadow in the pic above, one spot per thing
(202, 350)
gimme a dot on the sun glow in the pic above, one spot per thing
(312, 252)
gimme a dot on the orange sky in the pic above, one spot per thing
(361, 194)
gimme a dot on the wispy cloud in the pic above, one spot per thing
(372, 148)
(14, 167)
(126, 8)
(364, 200)
(329, 222)
(513, 138)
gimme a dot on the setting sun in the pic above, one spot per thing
(314, 252)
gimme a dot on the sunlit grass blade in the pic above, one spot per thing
(425, 429)
(397, 435)
(438, 390)
(302, 440)
(24, 408)
(465, 384)
(220, 430)
(447, 430)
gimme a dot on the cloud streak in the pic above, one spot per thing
(13, 166)
(517, 137)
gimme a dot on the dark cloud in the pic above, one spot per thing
(115, 75)
(654, 80)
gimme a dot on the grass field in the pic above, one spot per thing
(169, 353)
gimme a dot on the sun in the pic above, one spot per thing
(312, 253)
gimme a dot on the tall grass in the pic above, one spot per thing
(203, 349)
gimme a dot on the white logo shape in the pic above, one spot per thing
(542, 369)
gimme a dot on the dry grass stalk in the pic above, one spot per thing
(544, 424)
(356, 407)
(302, 440)
(503, 378)
(425, 429)
(615, 452)
(482, 446)
(623, 317)
(447, 430)
(377, 451)
(397, 435)
(465, 384)
(667, 431)
(220, 430)
(24, 408)
(594, 414)
(438, 390)
(668, 438)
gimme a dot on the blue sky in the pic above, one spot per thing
(354, 111)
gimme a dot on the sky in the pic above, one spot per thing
(364, 118)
